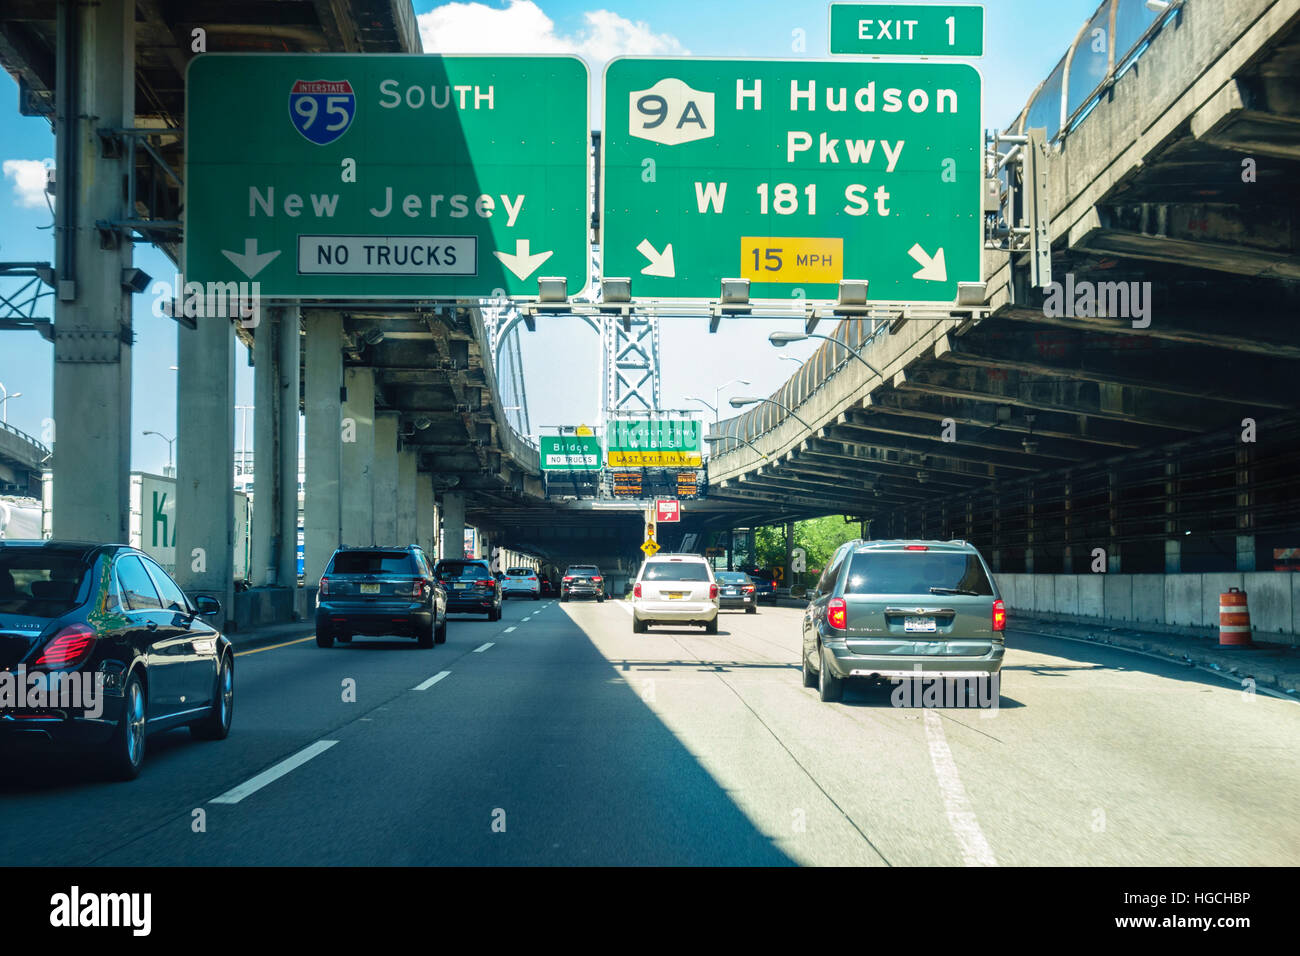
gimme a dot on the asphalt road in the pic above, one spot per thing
(570, 740)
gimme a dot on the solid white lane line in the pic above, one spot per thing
(975, 850)
(480, 650)
(272, 774)
(432, 680)
(525, 619)
(625, 606)
(509, 629)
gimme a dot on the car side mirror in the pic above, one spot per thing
(207, 606)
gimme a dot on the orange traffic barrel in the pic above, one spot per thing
(1234, 618)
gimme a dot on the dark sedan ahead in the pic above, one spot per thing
(737, 590)
(471, 586)
(99, 648)
(377, 591)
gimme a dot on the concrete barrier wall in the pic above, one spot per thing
(1167, 602)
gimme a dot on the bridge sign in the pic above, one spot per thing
(570, 453)
(387, 176)
(907, 29)
(794, 174)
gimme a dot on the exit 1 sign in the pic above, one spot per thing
(907, 29)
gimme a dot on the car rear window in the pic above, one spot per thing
(372, 562)
(733, 577)
(519, 572)
(915, 572)
(675, 571)
(463, 569)
(41, 583)
(583, 569)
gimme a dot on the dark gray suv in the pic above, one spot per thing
(380, 591)
(899, 609)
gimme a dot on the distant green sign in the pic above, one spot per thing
(907, 29)
(653, 443)
(387, 175)
(570, 453)
(793, 174)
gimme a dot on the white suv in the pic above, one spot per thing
(675, 589)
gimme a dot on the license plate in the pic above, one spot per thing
(927, 624)
(675, 595)
(730, 592)
(370, 589)
(459, 586)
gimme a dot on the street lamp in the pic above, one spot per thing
(782, 339)
(4, 402)
(717, 392)
(741, 401)
(717, 438)
(791, 358)
(712, 408)
(170, 442)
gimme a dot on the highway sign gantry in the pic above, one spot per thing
(387, 176)
(794, 174)
(907, 29)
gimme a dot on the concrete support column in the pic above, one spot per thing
(384, 484)
(266, 453)
(406, 525)
(1113, 485)
(205, 426)
(288, 386)
(426, 520)
(95, 89)
(731, 549)
(453, 524)
(789, 554)
(1029, 530)
(1067, 552)
(357, 450)
(323, 414)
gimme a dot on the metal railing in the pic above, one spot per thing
(1105, 49)
(25, 437)
(829, 358)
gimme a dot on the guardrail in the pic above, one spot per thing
(25, 437)
(1107, 46)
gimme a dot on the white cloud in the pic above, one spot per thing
(523, 27)
(28, 176)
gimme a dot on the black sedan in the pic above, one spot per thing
(737, 590)
(99, 648)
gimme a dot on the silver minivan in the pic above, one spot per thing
(902, 609)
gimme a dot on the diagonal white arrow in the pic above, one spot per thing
(932, 269)
(661, 264)
(520, 262)
(250, 262)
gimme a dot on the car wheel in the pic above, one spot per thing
(216, 725)
(751, 610)
(809, 676)
(600, 599)
(537, 597)
(638, 625)
(564, 599)
(324, 638)
(126, 748)
(440, 632)
(494, 614)
(711, 627)
(343, 638)
(425, 637)
(830, 687)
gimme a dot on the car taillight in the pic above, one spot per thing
(324, 587)
(596, 578)
(748, 588)
(837, 614)
(636, 589)
(774, 584)
(916, 547)
(713, 591)
(485, 583)
(69, 648)
(999, 616)
(568, 577)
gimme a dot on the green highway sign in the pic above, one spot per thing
(793, 174)
(907, 29)
(570, 453)
(651, 443)
(387, 176)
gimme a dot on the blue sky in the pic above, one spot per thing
(1024, 39)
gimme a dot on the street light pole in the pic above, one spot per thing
(4, 402)
(782, 339)
(742, 401)
(170, 441)
(717, 393)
